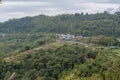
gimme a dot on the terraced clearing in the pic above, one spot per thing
(19, 56)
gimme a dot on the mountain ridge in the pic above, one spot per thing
(78, 24)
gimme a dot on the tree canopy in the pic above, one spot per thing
(78, 24)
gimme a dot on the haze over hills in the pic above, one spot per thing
(78, 24)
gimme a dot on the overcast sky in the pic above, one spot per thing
(19, 8)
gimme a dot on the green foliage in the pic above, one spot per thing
(67, 62)
(16, 43)
(108, 41)
(48, 63)
(60, 62)
(79, 24)
(113, 73)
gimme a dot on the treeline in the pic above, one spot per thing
(78, 24)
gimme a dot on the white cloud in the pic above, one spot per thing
(15, 4)
(94, 7)
(20, 8)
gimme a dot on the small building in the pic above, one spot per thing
(66, 36)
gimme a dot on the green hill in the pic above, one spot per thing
(59, 61)
(79, 24)
(31, 50)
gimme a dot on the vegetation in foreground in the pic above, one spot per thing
(63, 61)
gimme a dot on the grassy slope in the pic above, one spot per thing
(31, 51)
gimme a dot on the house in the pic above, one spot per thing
(65, 36)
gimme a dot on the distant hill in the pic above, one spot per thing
(79, 24)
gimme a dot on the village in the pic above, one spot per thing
(91, 42)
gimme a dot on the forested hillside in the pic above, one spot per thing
(79, 24)
(87, 48)
(61, 61)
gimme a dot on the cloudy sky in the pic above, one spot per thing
(19, 8)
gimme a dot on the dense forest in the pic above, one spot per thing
(63, 62)
(78, 24)
(31, 49)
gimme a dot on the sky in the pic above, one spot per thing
(10, 9)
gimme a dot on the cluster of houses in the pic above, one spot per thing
(69, 37)
(80, 39)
